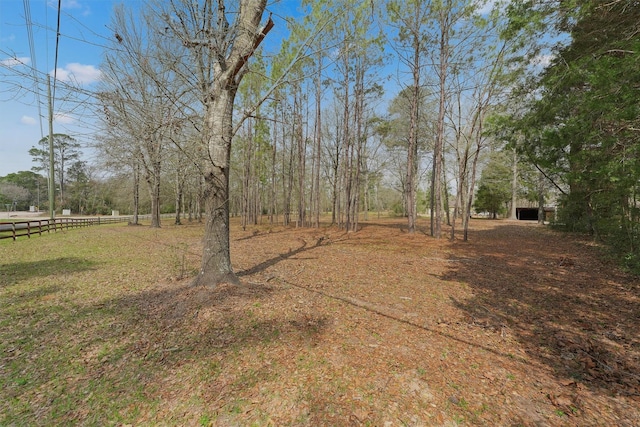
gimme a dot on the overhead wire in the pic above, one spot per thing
(55, 61)
(68, 94)
(69, 87)
(32, 54)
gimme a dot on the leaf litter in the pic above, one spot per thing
(519, 326)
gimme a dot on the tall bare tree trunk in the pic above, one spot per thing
(472, 178)
(247, 178)
(360, 140)
(136, 191)
(335, 170)
(301, 149)
(347, 139)
(514, 185)
(216, 260)
(412, 151)
(541, 198)
(273, 215)
(228, 72)
(436, 177)
(179, 194)
(317, 135)
(152, 176)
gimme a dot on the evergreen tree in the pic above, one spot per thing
(494, 186)
(582, 128)
(65, 150)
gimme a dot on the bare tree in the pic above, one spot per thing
(410, 47)
(65, 150)
(217, 52)
(118, 151)
(135, 96)
(356, 84)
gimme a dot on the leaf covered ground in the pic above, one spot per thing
(520, 326)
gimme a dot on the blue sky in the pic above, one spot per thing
(84, 33)
(83, 28)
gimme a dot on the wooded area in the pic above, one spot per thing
(312, 182)
(442, 108)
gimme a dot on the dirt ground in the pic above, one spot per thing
(520, 326)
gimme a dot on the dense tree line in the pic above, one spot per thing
(309, 126)
(580, 122)
(413, 107)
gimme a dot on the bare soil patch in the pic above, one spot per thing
(519, 326)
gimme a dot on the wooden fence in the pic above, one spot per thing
(13, 230)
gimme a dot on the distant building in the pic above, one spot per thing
(531, 214)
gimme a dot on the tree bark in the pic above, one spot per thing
(540, 198)
(152, 176)
(136, 191)
(317, 135)
(412, 151)
(216, 265)
(514, 185)
(216, 258)
(179, 194)
(436, 177)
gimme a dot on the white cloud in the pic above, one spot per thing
(63, 118)
(14, 62)
(78, 73)
(486, 6)
(65, 4)
(71, 5)
(28, 120)
(542, 60)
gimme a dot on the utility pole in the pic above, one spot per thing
(52, 184)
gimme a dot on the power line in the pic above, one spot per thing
(32, 54)
(55, 61)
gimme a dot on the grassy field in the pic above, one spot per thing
(68, 322)
(521, 326)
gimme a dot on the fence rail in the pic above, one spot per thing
(13, 230)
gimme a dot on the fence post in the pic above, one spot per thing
(13, 230)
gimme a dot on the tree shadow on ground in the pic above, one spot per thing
(123, 352)
(207, 320)
(11, 274)
(400, 224)
(263, 231)
(200, 321)
(320, 241)
(569, 310)
(217, 334)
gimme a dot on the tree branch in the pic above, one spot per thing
(261, 35)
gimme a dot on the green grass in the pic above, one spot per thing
(68, 321)
(92, 332)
